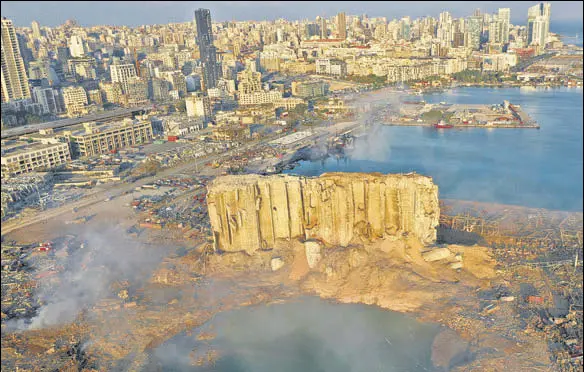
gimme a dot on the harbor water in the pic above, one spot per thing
(526, 167)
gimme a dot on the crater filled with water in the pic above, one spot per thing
(308, 335)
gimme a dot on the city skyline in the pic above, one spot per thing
(156, 12)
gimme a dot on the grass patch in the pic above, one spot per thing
(432, 115)
(437, 115)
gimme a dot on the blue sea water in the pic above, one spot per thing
(527, 167)
(571, 30)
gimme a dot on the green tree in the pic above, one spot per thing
(300, 109)
(32, 119)
(181, 106)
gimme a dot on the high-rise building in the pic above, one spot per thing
(323, 28)
(404, 28)
(538, 24)
(36, 30)
(207, 50)
(198, 105)
(76, 46)
(121, 73)
(137, 92)
(504, 18)
(474, 28)
(75, 100)
(342, 26)
(444, 31)
(249, 81)
(159, 89)
(48, 98)
(495, 30)
(458, 39)
(14, 79)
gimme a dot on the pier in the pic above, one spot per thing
(505, 115)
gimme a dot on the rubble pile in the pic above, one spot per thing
(167, 209)
(18, 284)
(540, 257)
(20, 191)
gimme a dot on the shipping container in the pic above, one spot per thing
(535, 300)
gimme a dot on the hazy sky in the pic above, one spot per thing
(87, 13)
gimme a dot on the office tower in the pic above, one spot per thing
(495, 30)
(342, 26)
(405, 26)
(445, 29)
(14, 79)
(76, 46)
(474, 28)
(504, 18)
(36, 30)
(207, 50)
(323, 28)
(122, 73)
(538, 24)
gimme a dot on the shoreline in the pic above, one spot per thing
(463, 126)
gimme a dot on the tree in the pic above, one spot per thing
(32, 119)
(181, 106)
(300, 109)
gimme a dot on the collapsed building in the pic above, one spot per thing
(252, 212)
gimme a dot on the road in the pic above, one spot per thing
(100, 116)
(525, 64)
(118, 190)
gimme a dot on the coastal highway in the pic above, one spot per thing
(120, 189)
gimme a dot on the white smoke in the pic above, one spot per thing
(108, 255)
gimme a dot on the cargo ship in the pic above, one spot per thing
(442, 125)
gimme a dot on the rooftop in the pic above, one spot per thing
(100, 127)
(107, 115)
(15, 147)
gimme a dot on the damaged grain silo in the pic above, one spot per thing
(252, 212)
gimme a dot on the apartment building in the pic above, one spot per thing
(198, 106)
(332, 67)
(122, 73)
(14, 79)
(75, 100)
(309, 89)
(259, 98)
(49, 99)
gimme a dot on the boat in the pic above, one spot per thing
(442, 125)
